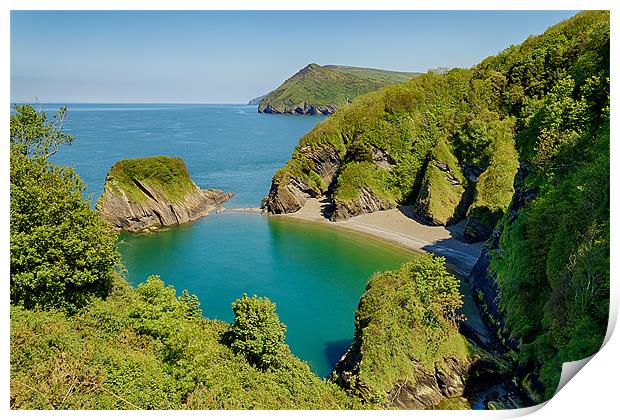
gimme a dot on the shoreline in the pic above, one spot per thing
(396, 227)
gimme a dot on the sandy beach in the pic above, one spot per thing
(397, 227)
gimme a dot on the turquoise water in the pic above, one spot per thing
(314, 274)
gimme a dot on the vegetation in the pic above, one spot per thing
(83, 338)
(167, 174)
(329, 87)
(144, 348)
(406, 315)
(257, 332)
(62, 253)
(380, 76)
(442, 187)
(536, 114)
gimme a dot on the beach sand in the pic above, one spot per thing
(398, 226)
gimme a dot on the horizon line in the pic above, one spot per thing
(124, 103)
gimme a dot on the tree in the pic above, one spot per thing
(257, 332)
(62, 252)
(34, 135)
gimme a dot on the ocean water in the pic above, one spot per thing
(314, 275)
(230, 147)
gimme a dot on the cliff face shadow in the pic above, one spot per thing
(334, 350)
(327, 207)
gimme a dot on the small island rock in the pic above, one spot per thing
(145, 194)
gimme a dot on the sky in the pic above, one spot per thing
(231, 57)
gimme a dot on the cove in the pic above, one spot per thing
(315, 275)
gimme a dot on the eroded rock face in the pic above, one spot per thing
(423, 389)
(300, 109)
(289, 193)
(382, 159)
(155, 210)
(367, 202)
(289, 196)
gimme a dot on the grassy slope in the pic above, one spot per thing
(441, 191)
(321, 86)
(376, 75)
(144, 348)
(168, 174)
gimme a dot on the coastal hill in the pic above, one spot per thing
(518, 146)
(319, 89)
(148, 193)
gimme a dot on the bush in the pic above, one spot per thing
(257, 332)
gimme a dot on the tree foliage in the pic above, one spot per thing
(145, 348)
(257, 332)
(62, 253)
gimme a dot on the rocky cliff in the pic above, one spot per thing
(306, 177)
(149, 193)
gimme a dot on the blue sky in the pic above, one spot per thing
(222, 57)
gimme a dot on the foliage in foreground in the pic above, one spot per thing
(62, 253)
(82, 338)
(257, 332)
(146, 348)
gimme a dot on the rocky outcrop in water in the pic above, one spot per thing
(136, 199)
(303, 108)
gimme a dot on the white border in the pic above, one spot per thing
(592, 394)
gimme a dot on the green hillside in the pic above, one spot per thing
(518, 144)
(374, 75)
(319, 89)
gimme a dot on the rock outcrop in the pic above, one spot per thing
(450, 378)
(303, 108)
(366, 202)
(289, 192)
(137, 199)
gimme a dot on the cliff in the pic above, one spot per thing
(316, 89)
(407, 351)
(149, 193)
